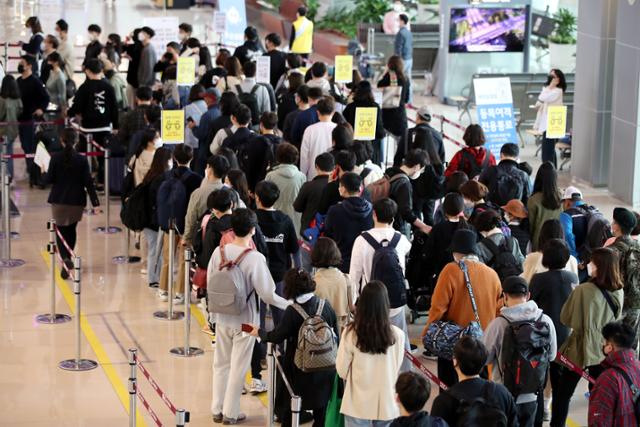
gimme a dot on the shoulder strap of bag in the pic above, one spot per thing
(610, 302)
(205, 221)
(635, 391)
(239, 89)
(493, 248)
(485, 162)
(320, 308)
(371, 240)
(255, 88)
(395, 240)
(300, 311)
(467, 281)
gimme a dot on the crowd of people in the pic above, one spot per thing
(309, 239)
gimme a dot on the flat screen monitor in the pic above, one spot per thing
(487, 29)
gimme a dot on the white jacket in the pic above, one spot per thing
(369, 378)
(315, 141)
(547, 97)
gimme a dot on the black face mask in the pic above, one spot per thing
(20, 68)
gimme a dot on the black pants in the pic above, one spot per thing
(565, 385)
(259, 352)
(446, 372)
(527, 414)
(70, 235)
(549, 150)
(401, 149)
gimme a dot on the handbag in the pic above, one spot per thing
(392, 94)
(199, 278)
(333, 417)
(443, 335)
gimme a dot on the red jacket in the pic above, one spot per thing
(611, 402)
(458, 163)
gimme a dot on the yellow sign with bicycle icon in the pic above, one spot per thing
(173, 126)
(343, 68)
(366, 122)
(556, 121)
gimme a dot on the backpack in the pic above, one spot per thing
(381, 188)
(590, 228)
(135, 213)
(385, 267)
(228, 236)
(227, 287)
(635, 391)
(317, 346)
(70, 88)
(503, 261)
(476, 170)
(250, 100)
(172, 201)
(525, 354)
(630, 271)
(481, 411)
(505, 186)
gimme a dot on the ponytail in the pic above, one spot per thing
(69, 137)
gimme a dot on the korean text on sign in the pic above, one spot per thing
(556, 121)
(186, 71)
(173, 126)
(344, 65)
(366, 121)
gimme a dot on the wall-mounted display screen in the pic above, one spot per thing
(484, 29)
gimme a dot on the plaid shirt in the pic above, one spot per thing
(611, 402)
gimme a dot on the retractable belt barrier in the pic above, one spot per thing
(564, 360)
(443, 120)
(182, 416)
(6, 261)
(427, 373)
(273, 366)
(52, 317)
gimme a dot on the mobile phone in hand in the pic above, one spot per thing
(246, 328)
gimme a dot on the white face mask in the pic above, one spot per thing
(157, 143)
(170, 164)
(417, 174)
(142, 37)
(591, 269)
(183, 36)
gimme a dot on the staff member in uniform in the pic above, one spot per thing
(301, 34)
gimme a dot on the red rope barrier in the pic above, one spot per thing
(98, 146)
(33, 122)
(148, 408)
(458, 143)
(31, 156)
(64, 242)
(64, 266)
(430, 375)
(156, 387)
(569, 364)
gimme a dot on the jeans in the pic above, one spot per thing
(549, 150)
(527, 413)
(358, 422)
(400, 321)
(408, 66)
(27, 135)
(70, 235)
(10, 160)
(154, 254)
(230, 364)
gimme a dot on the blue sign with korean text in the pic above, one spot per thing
(495, 112)
(236, 21)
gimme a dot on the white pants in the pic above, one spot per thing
(231, 361)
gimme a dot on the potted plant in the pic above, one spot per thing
(562, 43)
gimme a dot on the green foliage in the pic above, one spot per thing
(338, 18)
(312, 8)
(566, 28)
(274, 3)
(429, 1)
(371, 11)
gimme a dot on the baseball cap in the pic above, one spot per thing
(514, 285)
(572, 192)
(425, 112)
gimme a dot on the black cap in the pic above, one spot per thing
(625, 219)
(515, 285)
(463, 242)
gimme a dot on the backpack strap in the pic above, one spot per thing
(610, 302)
(239, 89)
(228, 263)
(467, 281)
(228, 131)
(203, 225)
(485, 162)
(320, 308)
(255, 88)
(635, 391)
(395, 240)
(371, 240)
(493, 248)
(297, 307)
(397, 177)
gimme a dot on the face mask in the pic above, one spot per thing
(417, 174)
(141, 37)
(591, 270)
(157, 143)
(182, 36)
(20, 68)
(93, 37)
(170, 164)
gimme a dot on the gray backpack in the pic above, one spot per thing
(227, 287)
(317, 347)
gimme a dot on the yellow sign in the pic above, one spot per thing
(344, 65)
(186, 71)
(556, 121)
(172, 126)
(366, 121)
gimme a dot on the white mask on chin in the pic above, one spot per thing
(157, 143)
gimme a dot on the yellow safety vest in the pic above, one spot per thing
(303, 30)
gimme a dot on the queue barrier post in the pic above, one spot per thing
(90, 210)
(133, 387)
(77, 364)
(126, 259)
(296, 401)
(187, 350)
(52, 317)
(170, 314)
(6, 261)
(182, 417)
(271, 381)
(107, 229)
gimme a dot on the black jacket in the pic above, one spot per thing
(92, 51)
(490, 175)
(191, 183)
(349, 114)
(314, 388)
(309, 198)
(278, 65)
(401, 192)
(248, 51)
(34, 95)
(134, 51)
(550, 290)
(446, 406)
(416, 138)
(218, 123)
(345, 221)
(438, 243)
(281, 238)
(521, 234)
(419, 419)
(286, 104)
(395, 119)
(251, 151)
(95, 101)
(71, 181)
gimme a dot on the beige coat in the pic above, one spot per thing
(369, 378)
(335, 287)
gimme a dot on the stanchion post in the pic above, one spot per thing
(127, 259)
(107, 229)
(187, 350)
(271, 383)
(133, 385)
(182, 417)
(296, 406)
(6, 261)
(52, 317)
(170, 314)
(6, 55)
(77, 364)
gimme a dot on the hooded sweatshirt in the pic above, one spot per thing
(494, 334)
(344, 223)
(289, 181)
(281, 238)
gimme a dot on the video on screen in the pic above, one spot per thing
(480, 29)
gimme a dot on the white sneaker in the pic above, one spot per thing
(163, 295)
(257, 386)
(143, 271)
(178, 299)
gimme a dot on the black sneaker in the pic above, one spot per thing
(153, 285)
(428, 355)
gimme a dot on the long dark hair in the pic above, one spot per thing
(34, 23)
(562, 81)
(238, 181)
(148, 135)
(159, 164)
(547, 183)
(371, 323)
(396, 65)
(551, 229)
(363, 94)
(608, 275)
(9, 88)
(69, 139)
(423, 139)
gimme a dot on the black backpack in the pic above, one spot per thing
(250, 100)
(386, 268)
(481, 411)
(135, 213)
(525, 355)
(635, 391)
(172, 201)
(503, 261)
(476, 169)
(590, 228)
(505, 186)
